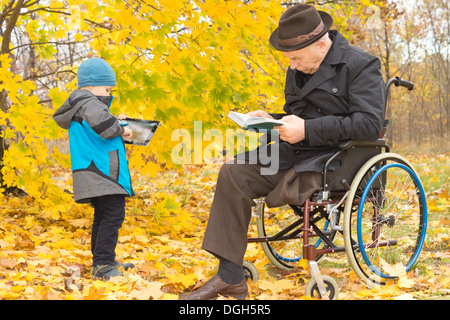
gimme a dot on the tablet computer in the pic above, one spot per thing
(143, 130)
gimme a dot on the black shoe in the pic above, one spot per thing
(125, 266)
(105, 272)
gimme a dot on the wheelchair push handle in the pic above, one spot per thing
(404, 83)
(399, 82)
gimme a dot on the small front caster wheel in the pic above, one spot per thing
(250, 271)
(313, 291)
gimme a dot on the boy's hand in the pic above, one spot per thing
(127, 133)
(122, 117)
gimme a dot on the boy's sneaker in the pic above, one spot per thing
(105, 272)
(125, 266)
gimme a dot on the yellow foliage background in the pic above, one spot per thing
(176, 62)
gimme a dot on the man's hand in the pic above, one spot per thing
(260, 113)
(122, 117)
(294, 129)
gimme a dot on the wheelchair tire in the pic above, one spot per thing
(312, 290)
(385, 219)
(250, 271)
(285, 254)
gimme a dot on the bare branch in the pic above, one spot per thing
(10, 26)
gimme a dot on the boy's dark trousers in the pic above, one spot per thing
(109, 214)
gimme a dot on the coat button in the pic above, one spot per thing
(319, 110)
(297, 152)
(334, 90)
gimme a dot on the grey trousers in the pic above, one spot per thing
(237, 186)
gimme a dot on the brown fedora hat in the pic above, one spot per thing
(300, 26)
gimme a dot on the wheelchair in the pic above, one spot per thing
(375, 201)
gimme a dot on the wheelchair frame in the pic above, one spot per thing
(305, 228)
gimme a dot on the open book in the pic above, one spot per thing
(248, 122)
(143, 130)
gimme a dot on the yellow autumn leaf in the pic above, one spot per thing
(151, 290)
(303, 264)
(95, 293)
(405, 283)
(404, 296)
(388, 291)
(81, 223)
(277, 285)
(186, 280)
(170, 296)
(67, 244)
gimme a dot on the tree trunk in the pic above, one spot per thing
(6, 40)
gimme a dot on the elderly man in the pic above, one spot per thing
(333, 92)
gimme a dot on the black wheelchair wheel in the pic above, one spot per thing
(385, 219)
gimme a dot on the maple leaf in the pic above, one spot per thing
(185, 280)
(95, 293)
(277, 285)
(303, 264)
(24, 242)
(81, 223)
(405, 283)
(147, 291)
(7, 263)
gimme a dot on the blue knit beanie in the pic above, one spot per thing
(95, 72)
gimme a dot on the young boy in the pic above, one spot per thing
(99, 165)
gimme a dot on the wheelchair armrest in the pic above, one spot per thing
(345, 145)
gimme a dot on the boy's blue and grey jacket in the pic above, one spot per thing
(97, 152)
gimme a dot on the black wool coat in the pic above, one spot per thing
(343, 100)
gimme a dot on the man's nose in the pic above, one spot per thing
(293, 64)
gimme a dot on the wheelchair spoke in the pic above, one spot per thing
(281, 232)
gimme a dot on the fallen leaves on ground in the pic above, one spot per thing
(162, 236)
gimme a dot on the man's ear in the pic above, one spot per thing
(322, 44)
